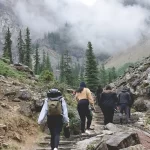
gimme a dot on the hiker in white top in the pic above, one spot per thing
(55, 108)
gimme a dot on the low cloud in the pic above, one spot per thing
(111, 25)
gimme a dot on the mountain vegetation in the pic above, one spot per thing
(71, 73)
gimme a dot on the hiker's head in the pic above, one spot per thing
(52, 93)
(125, 88)
(108, 87)
(82, 85)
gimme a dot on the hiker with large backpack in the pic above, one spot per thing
(84, 98)
(55, 109)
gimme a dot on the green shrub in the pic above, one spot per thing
(90, 147)
(74, 120)
(46, 76)
(123, 68)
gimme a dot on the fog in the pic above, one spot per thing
(111, 25)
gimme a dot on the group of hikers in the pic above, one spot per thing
(55, 108)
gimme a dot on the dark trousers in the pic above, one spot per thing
(84, 112)
(124, 108)
(55, 124)
(129, 112)
(108, 112)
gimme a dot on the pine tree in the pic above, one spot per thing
(48, 63)
(37, 61)
(114, 74)
(28, 60)
(62, 75)
(44, 61)
(67, 68)
(91, 71)
(110, 76)
(103, 75)
(7, 53)
(21, 49)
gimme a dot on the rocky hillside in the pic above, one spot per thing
(132, 55)
(21, 99)
(137, 78)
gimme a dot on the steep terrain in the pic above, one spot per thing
(132, 54)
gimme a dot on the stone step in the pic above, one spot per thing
(74, 137)
(47, 143)
(60, 148)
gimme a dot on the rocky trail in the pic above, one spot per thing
(70, 144)
(136, 139)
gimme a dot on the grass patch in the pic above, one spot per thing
(7, 71)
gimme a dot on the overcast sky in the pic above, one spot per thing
(111, 25)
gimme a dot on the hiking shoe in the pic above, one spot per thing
(88, 132)
(83, 133)
(90, 129)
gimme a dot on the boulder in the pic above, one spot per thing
(141, 105)
(24, 95)
(112, 127)
(122, 140)
(136, 147)
(37, 105)
(23, 68)
(3, 129)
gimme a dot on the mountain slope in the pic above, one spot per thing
(132, 54)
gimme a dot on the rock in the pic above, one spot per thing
(87, 143)
(25, 109)
(17, 137)
(107, 132)
(3, 129)
(22, 67)
(5, 145)
(136, 147)
(102, 146)
(8, 93)
(37, 105)
(16, 100)
(122, 140)
(112, 127)
(24, 95)
(141, 105)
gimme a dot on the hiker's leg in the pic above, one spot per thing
(52, 132)
(89, 117)
(106, 115)
(111, 114)
(81, 111)
(129, 110)
(121, 113)
(57, 137)
(127, 113)
(58, 129)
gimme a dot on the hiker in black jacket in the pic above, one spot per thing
(107, 103)
(124, 101)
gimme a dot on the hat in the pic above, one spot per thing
(82, 84)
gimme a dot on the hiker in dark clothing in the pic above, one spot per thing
(84, 98)
(124, 101)
(107, 103)
(131, 102)
(98, 93)
(55, 121)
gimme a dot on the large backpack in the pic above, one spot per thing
(55, 107)
(54, 102)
